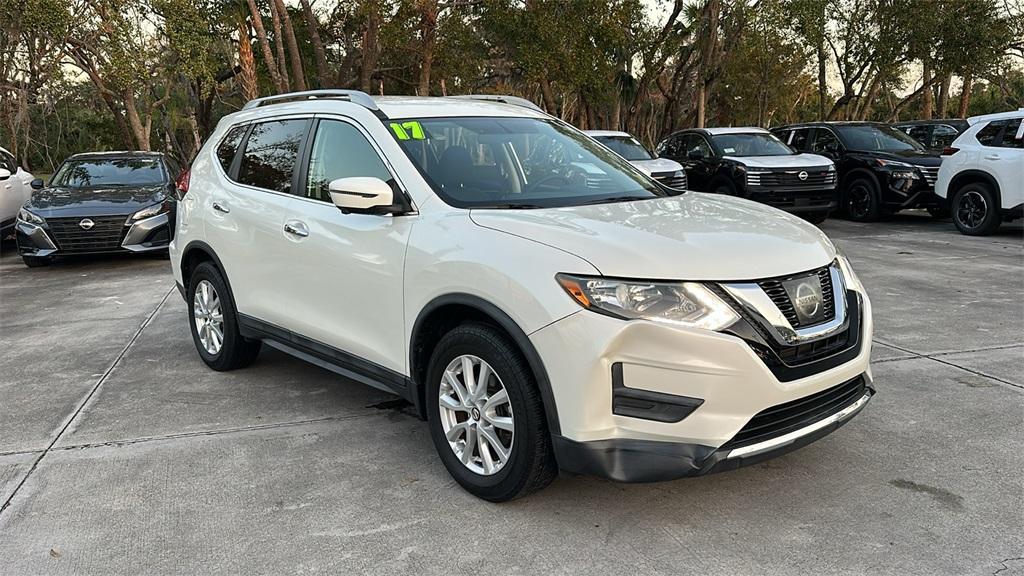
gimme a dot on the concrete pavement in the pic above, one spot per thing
(121, 453)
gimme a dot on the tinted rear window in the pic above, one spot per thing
(271, 152)
(228, 147)
(116, 172)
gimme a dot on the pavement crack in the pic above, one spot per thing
(1005, 567)
(85, 401)
(937, 357)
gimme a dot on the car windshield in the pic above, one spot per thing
(98, 173)
(751, 144)
(625, 146)
(518, 163)
(879, 138)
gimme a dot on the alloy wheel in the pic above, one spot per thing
(476, 415)
(972, 209)
(209, 317)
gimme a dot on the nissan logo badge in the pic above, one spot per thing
(802, 175)
(86, 224)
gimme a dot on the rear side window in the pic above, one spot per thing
(798, 139)
(228, 147)
(920, 133)
(271, 151)
(340, 151)
(987, 135)
(1013, 136)
(944, 136)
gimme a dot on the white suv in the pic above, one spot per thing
(982, 173)
(542, 303)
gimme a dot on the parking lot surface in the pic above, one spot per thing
(121, 453)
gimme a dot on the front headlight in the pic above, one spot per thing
(899, 170)
(150, 211)
(26, 216)
(849, 277)
(688, 304)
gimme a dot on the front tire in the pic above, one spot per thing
(214, 322)
(486, 416)
(976, 210)
(862, 201)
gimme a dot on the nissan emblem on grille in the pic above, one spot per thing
(805, 294)
(86, 224)
(802, 175)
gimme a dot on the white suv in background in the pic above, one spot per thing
(541, 302)
(15, 190)
(982, 173)
(668, 172)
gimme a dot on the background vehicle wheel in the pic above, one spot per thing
(35, 261)
(862, 202)
(815, 217)
(975, 210)
(486, 416)
(215, 322)
(938, 213)
(723, 186)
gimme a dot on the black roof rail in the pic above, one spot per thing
(354, 96)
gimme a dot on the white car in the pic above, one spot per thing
(982, 173)
(541, 302)
(15, 190)
(668, 172)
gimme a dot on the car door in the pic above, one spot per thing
(346, 269)
(245, 218)
(797, 139)
(15, 189)
(699, 160)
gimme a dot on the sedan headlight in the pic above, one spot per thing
(26, 216)
(150, 211)
(688, 304)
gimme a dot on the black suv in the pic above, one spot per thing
(933, 134)
(100, 202)
(881, 170)
(754, 164)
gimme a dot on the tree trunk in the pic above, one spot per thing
(943, 107)
(822, 79)
(318, 45)
(247, 78)
(927, 98)
(268, 54)
(428, 38)
(702, 97)
(139, 131)
(293, 47)
(551, 107)
(869, 99)
(370, 50)
(965, 95)
(282, 64)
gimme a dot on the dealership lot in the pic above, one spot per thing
(120, 452)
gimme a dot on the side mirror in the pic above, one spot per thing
(4, 173)
(695, 154)
(362, 194)
(38, 184)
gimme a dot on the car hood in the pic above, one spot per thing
(792, 161)
(657, 165)
(915, 157)
(693, 236)
(57, 201)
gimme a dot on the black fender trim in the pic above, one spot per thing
(626, 460)
(506, 322)
(957, 182)
(208, 250)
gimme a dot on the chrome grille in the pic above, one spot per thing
(775, 290)
(931, 174)
(106, 234)
(816, 178)
(671, 179)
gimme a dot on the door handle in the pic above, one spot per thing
(992, 157)
(296, 228)
(221, 208)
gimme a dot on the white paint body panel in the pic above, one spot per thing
(14, 192)
(1004, 165)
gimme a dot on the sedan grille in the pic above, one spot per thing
(785, 418)
(775, 290)
(105, 235)
(931, 174)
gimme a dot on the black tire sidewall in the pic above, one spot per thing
(992, 217)
(727, 187)
(488, 344)
(874, 199)
(208, 272)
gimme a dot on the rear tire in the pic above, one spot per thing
(862, 201)
(470, 413)
(976, 210)
(36, 261)
(214, 322)
(724, 187)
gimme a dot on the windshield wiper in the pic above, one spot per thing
(613, 199)
(509, 206)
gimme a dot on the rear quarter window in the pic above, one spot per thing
(229, 146)
(271, 153)
(987, 135)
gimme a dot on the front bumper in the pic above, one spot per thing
(795, 199)
(906, 193)
(146, 235)
(722, 374)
